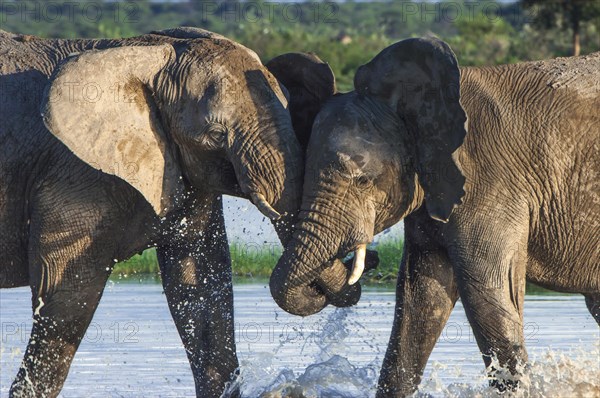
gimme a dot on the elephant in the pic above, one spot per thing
(109, 147)
(494, 171)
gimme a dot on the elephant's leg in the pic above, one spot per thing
(67, 276)
(196, 272)
(593, 303)
(425, 296)
(490, 258)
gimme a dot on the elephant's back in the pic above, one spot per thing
(581, 74)
(21, 53)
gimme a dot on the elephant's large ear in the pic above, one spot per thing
(100, 104)
(310, 82)
(420, 79)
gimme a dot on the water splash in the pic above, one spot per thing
(549, 373)
(330, 375)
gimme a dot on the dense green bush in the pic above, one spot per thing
(344, 34)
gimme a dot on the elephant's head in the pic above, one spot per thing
(375, 155)
(180, 110)
(311, 83)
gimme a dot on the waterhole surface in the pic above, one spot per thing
(132, 348)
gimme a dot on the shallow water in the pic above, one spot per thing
(132, 348)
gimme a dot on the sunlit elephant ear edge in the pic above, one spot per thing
(100, 104)
(310, 83)
(420, 79)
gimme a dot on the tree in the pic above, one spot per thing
(565, 14)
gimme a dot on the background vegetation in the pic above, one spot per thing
(345, 34)
(256, 262)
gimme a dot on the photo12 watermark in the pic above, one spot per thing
(263, 333)
(270, 11)
(126, 332)
(55, 12)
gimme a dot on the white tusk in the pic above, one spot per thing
(359, 264)
(264, 206)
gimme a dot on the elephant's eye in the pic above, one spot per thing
(213, 136)
(362, 181)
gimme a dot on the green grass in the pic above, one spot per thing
(256, 262)
(390, 253)
(247, 260)
(253, 261)
(145, 263)
(143, 266)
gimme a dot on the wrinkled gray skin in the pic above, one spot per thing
(393, 149)
(138, 140)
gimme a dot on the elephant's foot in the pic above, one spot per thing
(506, 376)
(217, 382)
(45, 366)
(504, 385)
(232, 388)
(503, 380)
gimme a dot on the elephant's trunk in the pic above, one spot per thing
(269, 166)
(308, 276)
(292, 282)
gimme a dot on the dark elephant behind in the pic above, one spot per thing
(136, 141)
(509, 194)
